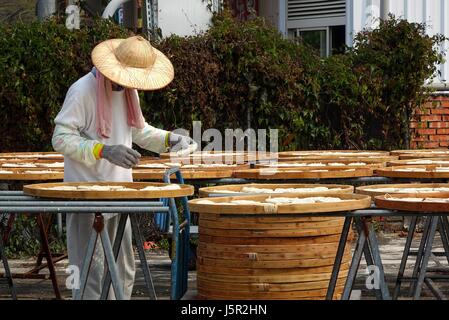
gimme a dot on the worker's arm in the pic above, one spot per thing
(151, 138)
(69, 124)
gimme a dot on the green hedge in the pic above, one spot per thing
(38, 63)
(362, 99)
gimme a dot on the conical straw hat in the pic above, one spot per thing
(133, 63)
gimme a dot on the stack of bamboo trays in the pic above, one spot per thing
(420, 153)
(259, 250)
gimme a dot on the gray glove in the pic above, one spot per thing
(121, 156)
(179, 143)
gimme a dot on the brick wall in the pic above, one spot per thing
(430, 128)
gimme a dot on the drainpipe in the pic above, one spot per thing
(45, 9)
(384, 9)
(112, 7)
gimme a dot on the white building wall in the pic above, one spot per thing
(183, 17)
(362, 14)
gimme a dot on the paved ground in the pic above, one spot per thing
(391, 250)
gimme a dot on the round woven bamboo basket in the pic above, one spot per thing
(415, 172)
(297, 173)
(31, 155)
(239, 189)
(421, 153)
(331, 154)
(417, 189)
(30, 174)
(321, 164)
(260, 251)
(420, 161)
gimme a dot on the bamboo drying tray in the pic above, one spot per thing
(331, 154)
(291, 173)
(237, 189)
(318, 164)
(415, 151)
(350, 202)
(444, 161)
(41, 190)
(26, 174)
(31, 155)
(223, 156)
(34, 163)
(148, 174)
(394, 203)
(373, 159)
(430, 173)
(371, 189)
(421, 153)
(245, 253)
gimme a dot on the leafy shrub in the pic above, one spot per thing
(38, 63)
(234, 75)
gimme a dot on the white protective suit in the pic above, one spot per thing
(75, 136)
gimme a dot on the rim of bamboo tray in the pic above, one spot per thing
(207, 191)
(381, 159)
(150, 174)
(25, 174)
(306, 163)
(31, 164)
(393, 202)
(40, 190)
(269, 241)
(264, 286)
(353, 202)
(411, 151)
(333, 153)
(392, 172)
(238, 224)
(232, 167)
(275, 264)
(27, 155)
(236, 270)
(408, 162)
(373, 193)
(235, 155)
(422, 156)
(204, 293)
(421, 153)
(293, 173)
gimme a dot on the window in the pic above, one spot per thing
(326, 40)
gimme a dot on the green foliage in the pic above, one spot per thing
(38, 63)
(24, 239)
(235, 74)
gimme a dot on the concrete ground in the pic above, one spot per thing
(391, 251)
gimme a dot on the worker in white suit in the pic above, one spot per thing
(95, 129)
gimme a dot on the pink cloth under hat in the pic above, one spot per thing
(104, 113)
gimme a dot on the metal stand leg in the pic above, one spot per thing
(367, 244)
(405, 254)
(369, 262)
(377, 261)
(425, 260)
(48, 255)
(116, 250)
(79, 294)
(7, 271)
(112, 266)
(419, 256)
(180, 241)
(338, 258)
(143, 260)
(98, 230)
(444, 233)
(355, 263)
(176, 252)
